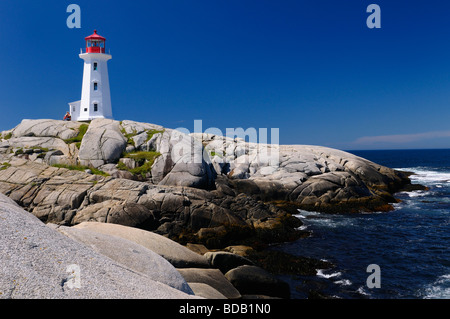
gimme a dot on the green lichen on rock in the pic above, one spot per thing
(4, 166)
(81, 168)
(8, 136)
(36, 149)
(129, 136)
(150, 134)
(144, 162)
(77, 139)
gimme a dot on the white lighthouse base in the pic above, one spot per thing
(75, 110)
(75, 113)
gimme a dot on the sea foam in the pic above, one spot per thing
(320, 273)
(426, 176)
(440, 289)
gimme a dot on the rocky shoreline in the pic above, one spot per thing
(199, 190)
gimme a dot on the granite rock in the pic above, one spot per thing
(253, 280)
(38, 262)
(199, 183)
(210, 277)
(176, 254)
(131, 255)
(102, 143)
(225, 261)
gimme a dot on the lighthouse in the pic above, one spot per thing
(95, 94)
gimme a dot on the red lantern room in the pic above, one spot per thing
(95, 43)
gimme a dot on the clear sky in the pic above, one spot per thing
(312, 68)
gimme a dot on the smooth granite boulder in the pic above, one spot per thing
(38, 262)
(210, 277)
(181, 162)
(116, 212)
(102, 143)
(50, 143)
(253, 280)
(226, 261)
(206, 291)
(176, 254)
(131, 255)
(47, 128)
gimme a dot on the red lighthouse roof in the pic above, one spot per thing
(95, 43)
(95, 36)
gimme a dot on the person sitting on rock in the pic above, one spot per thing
(67, 117)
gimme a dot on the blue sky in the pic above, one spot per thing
(313, 69)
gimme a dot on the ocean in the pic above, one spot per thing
(410, 244)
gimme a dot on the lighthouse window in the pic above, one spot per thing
(95, 86)
(95, 107)
(95, 66)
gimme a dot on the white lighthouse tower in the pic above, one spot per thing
(95, 94)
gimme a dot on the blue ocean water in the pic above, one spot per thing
(409, 244)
